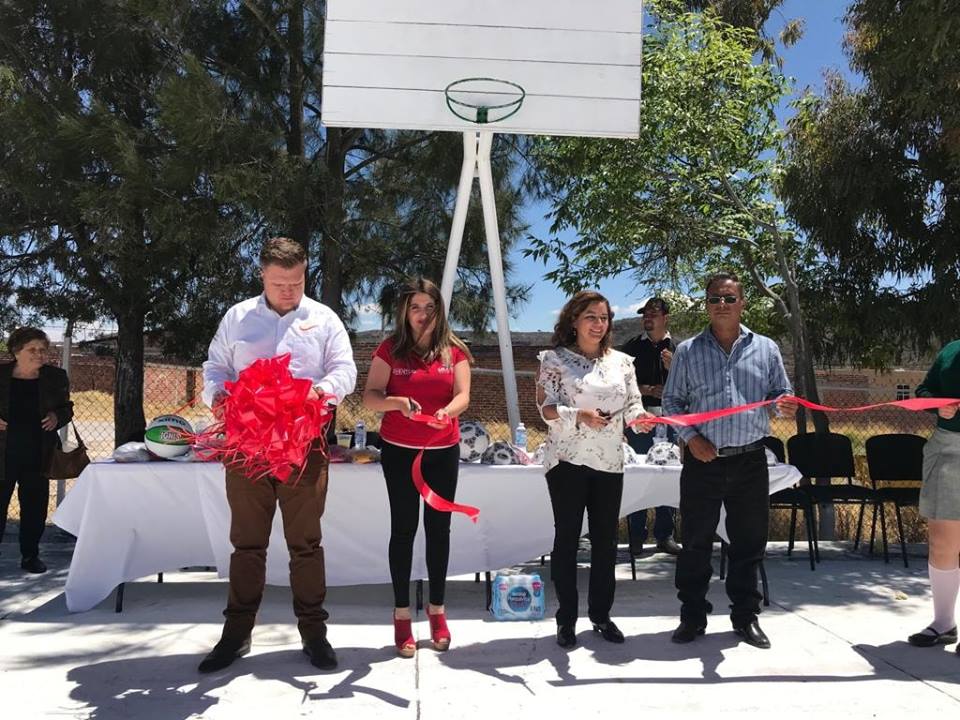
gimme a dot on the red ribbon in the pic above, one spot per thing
(431, 498)
(914, 404)
(270, 422)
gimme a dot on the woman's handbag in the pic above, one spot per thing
(68, 464)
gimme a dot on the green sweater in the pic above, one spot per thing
(943, 380)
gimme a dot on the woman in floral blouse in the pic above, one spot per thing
(587, 392)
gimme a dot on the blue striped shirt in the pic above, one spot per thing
(703, 377)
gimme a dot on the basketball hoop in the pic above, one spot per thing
(479, 96)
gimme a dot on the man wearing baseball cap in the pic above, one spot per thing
(652, 351)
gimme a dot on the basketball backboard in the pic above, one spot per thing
(387, 64)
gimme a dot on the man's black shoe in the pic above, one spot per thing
(223, 655)
(669, 546)
(753, 635)
(687, 632)
(566, 636)
(321, 654)
(609, 631)
(33, 565)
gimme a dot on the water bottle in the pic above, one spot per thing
(360, 435)
(660, 433)
(520, 437)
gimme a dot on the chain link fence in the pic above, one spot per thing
(174, 388)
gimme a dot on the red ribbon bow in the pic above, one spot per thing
(269, 420)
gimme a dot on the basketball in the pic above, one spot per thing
(167, 436)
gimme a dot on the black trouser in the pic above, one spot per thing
(741, 484)
(573, 489)
(440, 467)
(33, 491)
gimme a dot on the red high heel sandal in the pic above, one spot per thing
(439, 632)
(403, 638)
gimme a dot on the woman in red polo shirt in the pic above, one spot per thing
(421, 368)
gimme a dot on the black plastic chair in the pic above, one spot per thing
(895, 457)
(830, 455)
(793, 499)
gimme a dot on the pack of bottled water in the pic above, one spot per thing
(518, 597)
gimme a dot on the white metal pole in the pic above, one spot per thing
(65, 366)
(496, 277)
(459, 216)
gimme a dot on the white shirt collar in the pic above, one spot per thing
(645, 336)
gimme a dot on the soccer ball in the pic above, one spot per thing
(500, 453)
(164, 436)
(663, 453)
(474, 439)
(630, 456)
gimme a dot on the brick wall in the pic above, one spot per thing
(162, 384)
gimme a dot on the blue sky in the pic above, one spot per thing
(819, 49)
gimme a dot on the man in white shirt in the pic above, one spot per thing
(279, 321)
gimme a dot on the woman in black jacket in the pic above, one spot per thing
(34, 404)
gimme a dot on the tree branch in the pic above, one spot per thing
(389, 154)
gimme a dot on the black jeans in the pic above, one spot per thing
(440, 468)
(741, 484)
(573, 489)
(33, 491)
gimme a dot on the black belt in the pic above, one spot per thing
(731, 450)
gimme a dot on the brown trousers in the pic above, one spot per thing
(252, 506)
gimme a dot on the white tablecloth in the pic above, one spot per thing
(135, 520)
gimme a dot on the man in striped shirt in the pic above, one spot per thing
(724, 366)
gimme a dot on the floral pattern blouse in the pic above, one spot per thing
(572, 382)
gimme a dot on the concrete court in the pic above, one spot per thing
(837, 633)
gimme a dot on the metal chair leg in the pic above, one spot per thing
(488, 583)
(633, 553)
(723, 559)
(118, 607)
(903, 539)
(419, 596)
(856, 539)
(814, 525)
(883, 533)
(764, 585)
(793, 529)
(808, 522)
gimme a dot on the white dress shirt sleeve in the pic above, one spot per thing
(338, 372)
(218, 368)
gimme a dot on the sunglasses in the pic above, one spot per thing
(726, 299)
